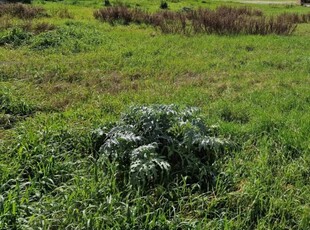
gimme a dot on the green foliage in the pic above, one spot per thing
(158, 143)
(13, 109)
(255, 87)
(43, 162)
(14, 105)
(25, 34)
(106, 3)
(73, 38)
(163, 5)
(15, 37)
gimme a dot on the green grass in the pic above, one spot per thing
(256, 88)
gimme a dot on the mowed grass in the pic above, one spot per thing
(59, 85)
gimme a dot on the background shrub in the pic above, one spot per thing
(163, 5)
(106, 3)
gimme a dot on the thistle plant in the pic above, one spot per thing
(160, 143)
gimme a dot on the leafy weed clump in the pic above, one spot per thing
(22, 34)
(163, 5)
(160, 143)
(70, 38)
(14, 37)
(106, 3)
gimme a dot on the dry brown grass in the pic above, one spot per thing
(38, 27)
(5, 22)
(223, 20)
(22, 11)
(122, 15)
(295, 18)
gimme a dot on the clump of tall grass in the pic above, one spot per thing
(22, 11)
(122, 15)
(171, 22)
(37, 28)
(13, 109)
(223, 20)
(294, 17)
(9, 104)
(62, 13)
(227, 20)
(70, 38)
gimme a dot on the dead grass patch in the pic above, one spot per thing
(22, 11)
(223, 20)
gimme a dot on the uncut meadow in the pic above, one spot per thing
(145, 115)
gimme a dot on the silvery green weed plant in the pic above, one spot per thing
(159, 144)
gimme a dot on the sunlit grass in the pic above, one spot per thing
(255, 88)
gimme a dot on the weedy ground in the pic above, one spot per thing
(64, 74)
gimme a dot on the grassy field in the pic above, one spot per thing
(57, 86)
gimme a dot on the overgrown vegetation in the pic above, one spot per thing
(295, 18)
(12, 105)
(157, 144)
(22, 11)
(163, 5)
(45, 36)
(13, 109)
(70, 38)
(223, 20)
(72, 75)
(14, 37)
